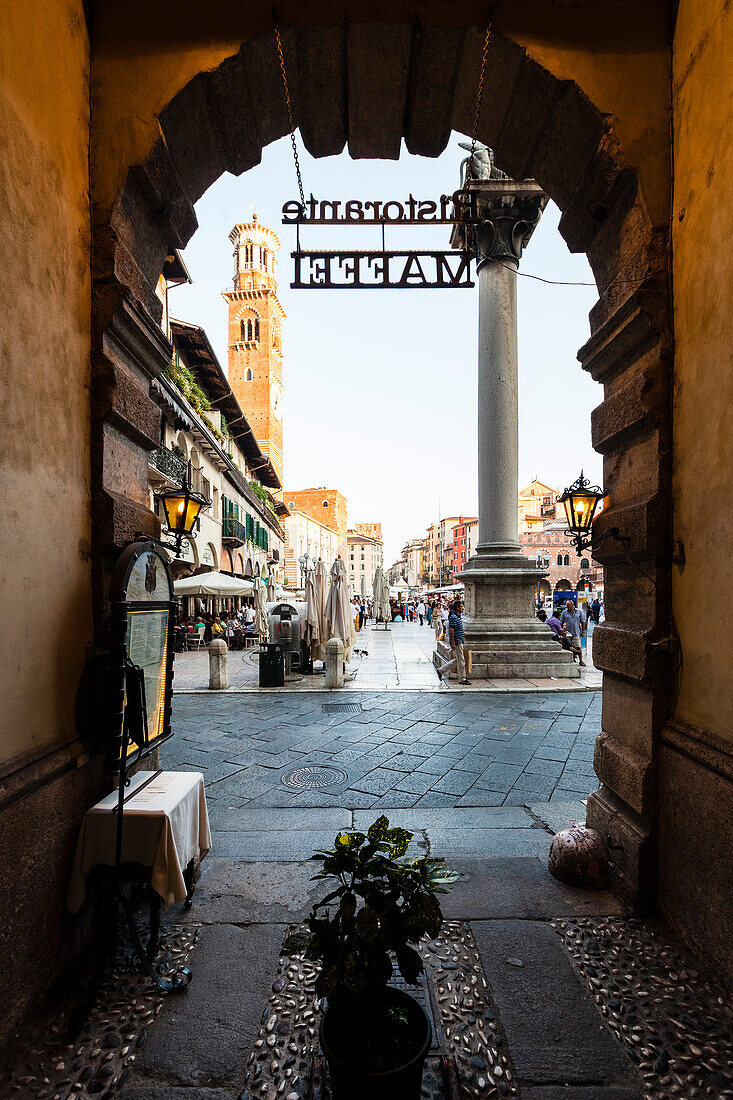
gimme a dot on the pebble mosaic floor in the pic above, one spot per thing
(676, 1026)
(47, 1066)
(674, 1022)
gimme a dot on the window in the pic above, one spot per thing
(584, 563)
(559, 559)
(567, 559)
(249, 374)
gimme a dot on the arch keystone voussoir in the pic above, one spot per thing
(377, 105)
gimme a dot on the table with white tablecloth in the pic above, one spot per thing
(165, 828)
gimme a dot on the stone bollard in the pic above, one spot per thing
(334, 663)
(218, 658)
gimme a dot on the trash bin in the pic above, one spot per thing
(272, 665)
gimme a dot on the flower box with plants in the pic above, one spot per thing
(375, 1038)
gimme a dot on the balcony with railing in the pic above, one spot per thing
(233, 532)
(169, 464)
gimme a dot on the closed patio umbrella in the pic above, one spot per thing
(386, 610)
(271, 590)
(312, 617)
(260, 595)
(377, 591)
(363, 586)
(320, 584)
(339, 612)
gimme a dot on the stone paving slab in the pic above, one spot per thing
(236, 892)
(399, 749)
(204, 1034)
(584, 1092)
(165, 1092)
(553, 1029)
(520, 887)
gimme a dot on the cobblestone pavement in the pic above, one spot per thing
(389, 750)
(397, 659)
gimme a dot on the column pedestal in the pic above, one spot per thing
(506, 640)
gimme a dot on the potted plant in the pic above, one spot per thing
(375, 1038)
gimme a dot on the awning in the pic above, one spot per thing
(212, 584)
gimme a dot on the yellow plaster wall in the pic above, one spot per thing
(702, 229)
(44, 360)
(146, 50)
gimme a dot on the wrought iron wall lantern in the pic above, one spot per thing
(182, 507)
(580, 502)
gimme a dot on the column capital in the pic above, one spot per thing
(508, 212)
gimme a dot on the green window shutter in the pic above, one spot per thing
(248, 526)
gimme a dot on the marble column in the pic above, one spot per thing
(505, 637)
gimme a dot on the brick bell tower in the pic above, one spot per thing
(255, 330)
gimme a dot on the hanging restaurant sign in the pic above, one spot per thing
(385, 270)
(458, 208)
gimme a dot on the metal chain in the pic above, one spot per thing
(290, 111)
(479, 96)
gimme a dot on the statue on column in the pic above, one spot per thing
(480, 165)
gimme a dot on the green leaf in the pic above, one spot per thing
(410, 964)
(378, 830)
(295, 943)
(398, 840)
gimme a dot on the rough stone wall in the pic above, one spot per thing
(696, 765)
(47, 775)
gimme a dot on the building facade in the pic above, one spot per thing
(412, 554)
(326, 506)
(238, 532)
(373, 530)
(464, 533)
(363, 556)
(536, 505)
(255, 336)
(305, 535)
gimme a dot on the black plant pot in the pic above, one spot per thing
(350, 1081)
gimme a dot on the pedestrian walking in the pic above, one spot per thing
(572, 622)
(457, 640)
(421, 612)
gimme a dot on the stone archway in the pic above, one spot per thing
(539, 126)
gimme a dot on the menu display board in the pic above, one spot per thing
(147, 647)
(141, 652)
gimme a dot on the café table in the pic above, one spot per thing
(165, 832)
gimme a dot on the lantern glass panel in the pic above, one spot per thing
(175, 507)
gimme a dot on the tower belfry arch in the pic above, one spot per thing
(255, 360)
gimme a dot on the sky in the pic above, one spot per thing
(380, 385)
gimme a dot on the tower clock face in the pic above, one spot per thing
(276, 401)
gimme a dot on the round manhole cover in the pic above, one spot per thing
(313, 777)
